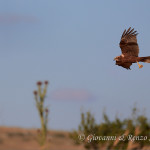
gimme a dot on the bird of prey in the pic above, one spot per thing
(130, 50)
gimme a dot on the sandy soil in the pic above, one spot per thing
(12, 138)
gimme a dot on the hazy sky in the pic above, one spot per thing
(72, 44)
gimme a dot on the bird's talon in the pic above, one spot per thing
(141, 66)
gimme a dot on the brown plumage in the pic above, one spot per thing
(130, 50)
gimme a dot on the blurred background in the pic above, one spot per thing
(71, 44)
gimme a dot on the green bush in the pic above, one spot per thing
(136, 125)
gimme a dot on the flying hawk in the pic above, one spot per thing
(130, 50)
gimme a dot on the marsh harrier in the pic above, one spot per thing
(130, 50)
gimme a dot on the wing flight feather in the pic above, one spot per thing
(128, 43)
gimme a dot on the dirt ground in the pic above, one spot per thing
(12, 138)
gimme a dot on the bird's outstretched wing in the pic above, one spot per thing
(128, 43)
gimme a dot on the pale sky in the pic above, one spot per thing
(71, 44)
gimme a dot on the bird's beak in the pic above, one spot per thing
(114, 59)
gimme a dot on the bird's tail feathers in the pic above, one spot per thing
(145, 59)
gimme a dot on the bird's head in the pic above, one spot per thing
(117, 58)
